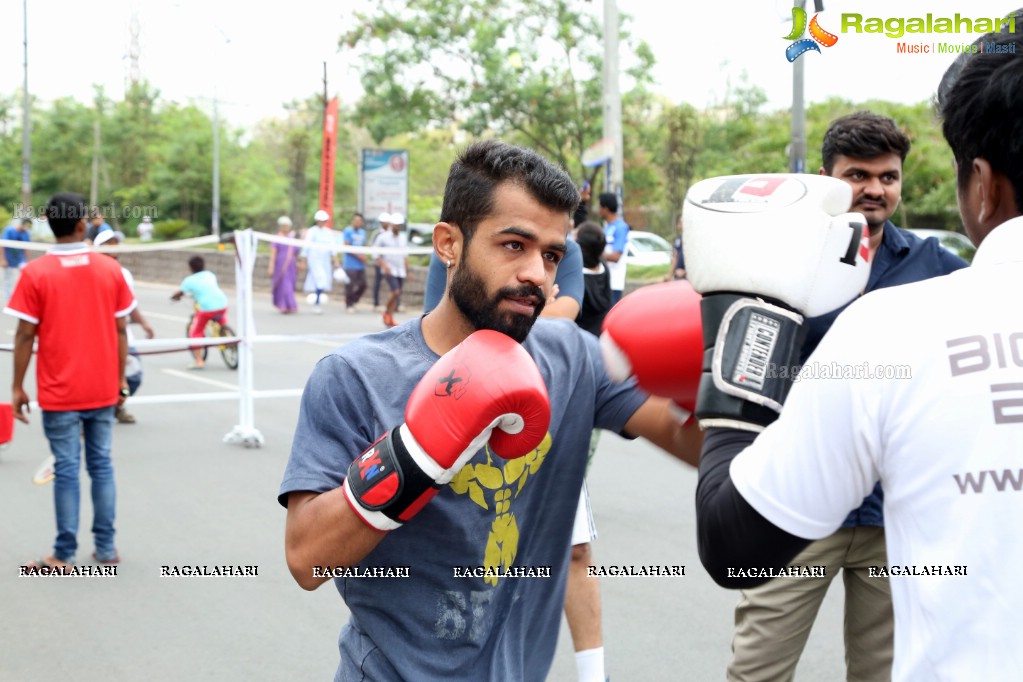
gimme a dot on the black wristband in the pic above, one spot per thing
(751, 355)
(386, 479)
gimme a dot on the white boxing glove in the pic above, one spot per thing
(784, 237)
(765, 250)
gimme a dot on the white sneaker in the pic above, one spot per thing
(317, 310)
(350, 309)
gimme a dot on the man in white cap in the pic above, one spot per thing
(320, 255)
(145, 229)
(393, 265)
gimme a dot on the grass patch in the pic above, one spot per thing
(647, 273)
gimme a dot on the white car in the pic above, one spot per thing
(647, 248)
(954, 242)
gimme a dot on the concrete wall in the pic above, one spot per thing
(171, 266)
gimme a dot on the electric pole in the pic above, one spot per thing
(615, 179)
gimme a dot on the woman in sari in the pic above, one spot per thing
(282, 269)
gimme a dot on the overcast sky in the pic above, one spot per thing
(257, 59)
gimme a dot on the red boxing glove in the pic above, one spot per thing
(486, 388)
(656, 334)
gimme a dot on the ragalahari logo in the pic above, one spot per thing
(804, 45)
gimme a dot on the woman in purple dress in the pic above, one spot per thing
(282, 269)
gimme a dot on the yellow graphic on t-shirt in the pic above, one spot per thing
(476, 479)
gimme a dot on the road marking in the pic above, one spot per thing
(192, 374)
(316, 342)
(163, 316)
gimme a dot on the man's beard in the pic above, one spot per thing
(469, 292)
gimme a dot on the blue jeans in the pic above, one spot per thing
(134, 380)
(65, 430)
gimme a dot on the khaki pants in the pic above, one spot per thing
(773, 621)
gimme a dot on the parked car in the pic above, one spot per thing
(955, 242)
(647, 248)
(420, 234)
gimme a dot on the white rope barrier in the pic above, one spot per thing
(246, 243)
(120, 248)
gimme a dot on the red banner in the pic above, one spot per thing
(327, 162)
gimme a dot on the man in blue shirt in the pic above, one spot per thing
(14, 259)
(773, 621)
(355, 263)
(97, 224)
(616, 231)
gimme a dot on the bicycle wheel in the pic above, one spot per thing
(228, 351)
(206, 332)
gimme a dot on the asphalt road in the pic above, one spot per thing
(184, 497)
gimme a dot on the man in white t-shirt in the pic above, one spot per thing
(919, 387)
(393, 264)
(133, 363)
(145, 229)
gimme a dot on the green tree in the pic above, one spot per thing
(681, 125)
(183, 174)
(61, 149)
(525, 69)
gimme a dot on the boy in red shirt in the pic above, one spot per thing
(79, 384)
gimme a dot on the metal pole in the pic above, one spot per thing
(215, 214)
(797, 145)
(613, 100)
(26, 127)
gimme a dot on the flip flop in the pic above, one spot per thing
(45, 473)
(107, 562)
(197, 367)
(42, 566)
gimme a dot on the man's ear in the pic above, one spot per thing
(986, 189)
(821, 171)
(448, 243)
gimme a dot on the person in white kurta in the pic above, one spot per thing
(320, 262)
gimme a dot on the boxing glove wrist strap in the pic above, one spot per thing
(388, 484)
(751, 353)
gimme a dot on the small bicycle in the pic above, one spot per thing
(215, 329)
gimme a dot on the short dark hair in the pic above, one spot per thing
(63, 211)
(977, 100)
(26, 221)
(591, 241)
(482, 166)
(359, 215)
(196, 264)
(609, 200)
(862, 135)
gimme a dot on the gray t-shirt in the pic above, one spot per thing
(452, 619)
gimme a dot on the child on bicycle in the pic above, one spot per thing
(210, 301)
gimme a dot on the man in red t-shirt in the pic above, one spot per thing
(79, 384)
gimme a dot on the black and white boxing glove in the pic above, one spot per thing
(765, 251)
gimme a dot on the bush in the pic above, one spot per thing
(176, 229)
